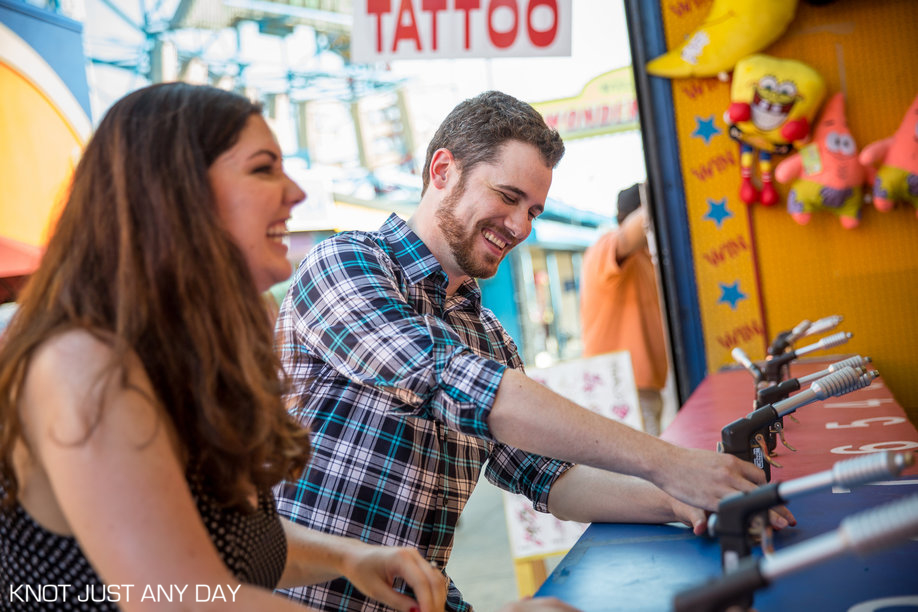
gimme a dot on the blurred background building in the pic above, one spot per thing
(354, 135)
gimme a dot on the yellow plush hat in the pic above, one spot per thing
(732, 30)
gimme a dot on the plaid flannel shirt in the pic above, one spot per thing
(395, 381)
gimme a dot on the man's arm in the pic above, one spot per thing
(531, 417)
(632, 236)
(587, 495)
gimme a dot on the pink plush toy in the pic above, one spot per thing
(897, 158)
(826, 173)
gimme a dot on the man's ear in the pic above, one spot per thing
(442, 166)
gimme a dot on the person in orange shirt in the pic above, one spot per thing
(620, 305)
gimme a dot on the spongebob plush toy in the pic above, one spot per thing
(826, 173)
(897, 178)
(772, 105)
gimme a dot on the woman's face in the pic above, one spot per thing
(254, 199)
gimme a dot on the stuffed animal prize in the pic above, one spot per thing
(826, 173)
(772, 105)
(897, 157)
(732, 30)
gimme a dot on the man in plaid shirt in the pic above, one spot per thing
(410, 387)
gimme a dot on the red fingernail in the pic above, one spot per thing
(415, 609)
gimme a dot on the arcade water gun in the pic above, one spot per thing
(862, 533)
(742, 518)
(747, 437)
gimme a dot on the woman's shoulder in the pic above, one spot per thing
(72, 355)
(78, 364)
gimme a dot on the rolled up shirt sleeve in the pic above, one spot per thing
(524, 473)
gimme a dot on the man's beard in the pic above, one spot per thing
(461, 242)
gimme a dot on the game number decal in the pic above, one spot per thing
(876, 447)
(866, 422)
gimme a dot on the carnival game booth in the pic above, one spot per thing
(780, 142)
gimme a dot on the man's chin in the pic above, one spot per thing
(482, 265)
(483, 272)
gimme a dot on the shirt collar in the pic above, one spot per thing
(409, 250)
(471, 291)
(417, 261)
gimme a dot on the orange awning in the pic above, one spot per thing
(18, 258)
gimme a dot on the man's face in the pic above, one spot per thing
(491, 209)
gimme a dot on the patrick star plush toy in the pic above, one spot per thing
(826, 173)
(897, 157)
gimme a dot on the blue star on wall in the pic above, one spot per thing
(730, 294)
(718, 211)
(706, 129)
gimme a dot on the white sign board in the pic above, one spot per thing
(385, 30)
(605, 385)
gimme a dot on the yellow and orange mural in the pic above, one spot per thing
(43, 128)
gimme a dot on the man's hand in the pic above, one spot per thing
(696, 518)
(690, 516)
(702, 478)
(780, 517)
(373, 569)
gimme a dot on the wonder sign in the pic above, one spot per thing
(606, 105)
(386, 30)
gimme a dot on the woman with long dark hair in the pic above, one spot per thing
(141, 420)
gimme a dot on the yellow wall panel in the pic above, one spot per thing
(722, 248)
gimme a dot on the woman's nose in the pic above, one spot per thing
(293, 193)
